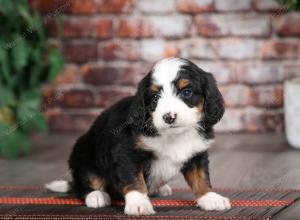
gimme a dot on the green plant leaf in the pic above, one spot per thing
(291, 4)
(6, 115)
(20, 54)
(7, 97)
(7, 7)
(26, 62)
(39, 122)
(24, 12)
(5, 68)
(10, 147)
(56, 62)
(28, 107)
(3, 130)
(14, 143)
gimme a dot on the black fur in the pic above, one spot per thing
(108, 150)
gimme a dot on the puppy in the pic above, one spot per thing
(136, 146)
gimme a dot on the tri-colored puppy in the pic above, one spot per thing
(136, 146)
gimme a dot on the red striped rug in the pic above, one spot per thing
(34, 202)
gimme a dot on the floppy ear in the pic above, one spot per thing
(138, 109)
(213, 103)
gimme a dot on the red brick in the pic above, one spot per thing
(195, 6)
(288, 25)
(236, 95)
(198, 49)
(108, 75)
(119, 50)
(83, 7)
(233, 24)
(48, 6)
(262, 74)
(267, 5)
(152, 50)
(74, 27)
(70, 75)
(104, 28)
(171, 50)
(107, 97)
(231, 121)
(77, 98)
(175, 26)
(225, 73)
(259, 120)
(70, 122)
(232, 5)
(116, 6)
(279, 49)
(156, 6)
(80, 52)
(237, 49)
(50, 97)
(251, 120)
(134, 27)
(268, 96)
(291, 71)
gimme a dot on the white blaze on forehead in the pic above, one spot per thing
(166, 70)
(164, 74)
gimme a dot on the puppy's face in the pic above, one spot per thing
(178, 95)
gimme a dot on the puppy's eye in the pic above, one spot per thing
(155, 97)
(187, 93)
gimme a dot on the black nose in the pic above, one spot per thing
(169, 118)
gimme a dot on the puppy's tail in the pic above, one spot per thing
(59, 186)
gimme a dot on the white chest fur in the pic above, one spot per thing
(171, 151)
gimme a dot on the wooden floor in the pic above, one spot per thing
(237, 161)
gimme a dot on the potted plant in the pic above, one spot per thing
(292, 111)
(26, 62)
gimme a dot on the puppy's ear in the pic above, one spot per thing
(213, 102)
(138, 108)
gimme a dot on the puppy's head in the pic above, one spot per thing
(175, 96)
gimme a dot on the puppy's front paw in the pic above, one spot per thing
(97, 199)
(213, 201)
(165, 190)
(137, 203)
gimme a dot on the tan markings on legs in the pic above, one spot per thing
(97, 183)
(183, 83)
(197, 180)
(139, 185)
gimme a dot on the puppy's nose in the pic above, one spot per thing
(169, 117)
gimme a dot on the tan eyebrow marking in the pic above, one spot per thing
(155, 88)
(183, 83)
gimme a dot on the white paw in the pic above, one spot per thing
(213, 201)
(165, 190)
(137, 203)
(97, 199)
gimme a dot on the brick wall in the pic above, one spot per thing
(250, 46)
